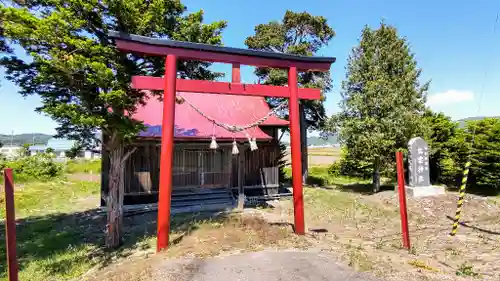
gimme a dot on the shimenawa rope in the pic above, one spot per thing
(235, 128)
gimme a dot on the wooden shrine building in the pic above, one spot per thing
(195, 164)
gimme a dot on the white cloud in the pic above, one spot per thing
(449, 97)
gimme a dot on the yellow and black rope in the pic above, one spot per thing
(460, 199)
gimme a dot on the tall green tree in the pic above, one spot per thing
(84, 81)
(50, 150)
(440, 136)
(382, 99)
(74, 151)
(298, 34)
(451, 146)
(481, 140)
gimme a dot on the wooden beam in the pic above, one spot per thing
(213, 56)
(211, 87)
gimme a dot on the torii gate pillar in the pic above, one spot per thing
(167, 153)
(294, 116)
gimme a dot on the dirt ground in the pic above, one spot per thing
(365, 231)
(85, 177)
(268, 265)
(356, 230)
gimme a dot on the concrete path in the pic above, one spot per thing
(260, 266)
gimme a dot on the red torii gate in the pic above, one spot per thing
(174, 50)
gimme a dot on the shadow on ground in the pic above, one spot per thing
(259, 204)
(478, 190)
(362, 188)
(365, 189)
(45, 237)
(467, 225)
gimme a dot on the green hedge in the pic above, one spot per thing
(37, 167)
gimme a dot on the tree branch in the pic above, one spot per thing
(128, 155)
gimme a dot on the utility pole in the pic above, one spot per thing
(12, 138)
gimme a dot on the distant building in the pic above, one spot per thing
(60, 147)
(10, 151)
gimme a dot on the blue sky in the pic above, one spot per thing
(453, 42)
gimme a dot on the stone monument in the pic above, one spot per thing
(418, 166)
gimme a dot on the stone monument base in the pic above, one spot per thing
(422, 191)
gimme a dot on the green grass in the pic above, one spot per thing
(60, 232)
(56, 196)
(83, 166)
(319, 176)
(50, 224)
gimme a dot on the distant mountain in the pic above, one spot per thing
(461, 122)
(21, 139)
(320, 141)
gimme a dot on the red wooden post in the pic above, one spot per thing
(166, 157)
(236, 74)
(298, 200)
(10, 225)
(402, 200)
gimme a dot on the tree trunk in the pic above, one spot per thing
(303, 143)
(376, 174)
(114, 199)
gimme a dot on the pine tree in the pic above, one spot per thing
(299, 34)
(382, 100)
(83, 81)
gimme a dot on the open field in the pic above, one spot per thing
(60, 233)
(320, 156)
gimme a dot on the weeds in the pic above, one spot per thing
(453, 251)
(413, 250)
(466, 270)
(358, 260)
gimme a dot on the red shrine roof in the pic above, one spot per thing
(228, 109)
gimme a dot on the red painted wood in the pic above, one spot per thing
(236, 73)
(166, 157)
(298, 199)
(402, 200)
(219, 57)
(211, 87)
(10, 226)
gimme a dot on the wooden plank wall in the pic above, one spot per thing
(195, 165)
(260, 167)
(142, 169)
